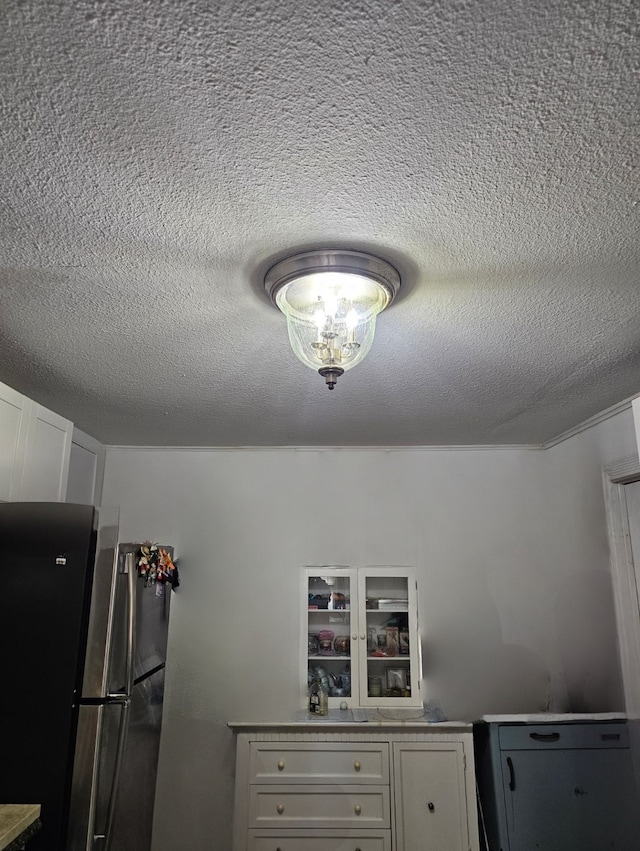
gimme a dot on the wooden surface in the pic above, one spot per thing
(15, 819)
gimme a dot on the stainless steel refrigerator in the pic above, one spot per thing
(83, 646)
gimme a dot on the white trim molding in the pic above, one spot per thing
(623, 576)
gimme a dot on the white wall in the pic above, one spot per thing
(511, 553)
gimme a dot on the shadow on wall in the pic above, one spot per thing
(468, 666)
(589, 644)
(472, 671)
(193, 803)
(497, 679)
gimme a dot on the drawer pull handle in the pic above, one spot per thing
(544, 737)
(281, 766)
(610, 737)
(280, 809)
(431, 807)
(357, 809)
(357, 765)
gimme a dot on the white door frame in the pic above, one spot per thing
(623, 575)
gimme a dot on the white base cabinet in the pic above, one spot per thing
(377, 786)
(430, 803)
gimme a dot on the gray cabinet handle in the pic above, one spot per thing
(544, 737)
(512, 776)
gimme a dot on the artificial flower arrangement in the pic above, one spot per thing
(156, 565)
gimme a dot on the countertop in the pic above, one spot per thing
(347, 718)
(554, 717)
(16, 820)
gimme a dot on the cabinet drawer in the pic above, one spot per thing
(319, 806)
(329, 840)
(558, 736)
(319, 762)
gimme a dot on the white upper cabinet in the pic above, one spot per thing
(13, 434)
(86, 469)
(35, 446)
(361, 627)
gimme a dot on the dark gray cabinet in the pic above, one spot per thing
(557, 786)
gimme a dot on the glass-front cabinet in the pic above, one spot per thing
(361, 626)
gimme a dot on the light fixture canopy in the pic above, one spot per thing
(331, 298)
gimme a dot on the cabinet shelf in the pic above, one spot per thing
(394, 659)
(329, 656)
(325, 610)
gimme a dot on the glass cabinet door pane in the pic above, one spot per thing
(329, 631)
(388, 601)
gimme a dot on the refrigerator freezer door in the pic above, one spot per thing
(133, 816)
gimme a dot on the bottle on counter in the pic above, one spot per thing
(318, 698)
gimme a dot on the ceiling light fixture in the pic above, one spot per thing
(331, 299)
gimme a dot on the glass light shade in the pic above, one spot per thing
(331, 298)
(331, 317)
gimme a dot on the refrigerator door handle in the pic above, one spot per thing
(103, 841)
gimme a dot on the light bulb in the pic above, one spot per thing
(351, 319)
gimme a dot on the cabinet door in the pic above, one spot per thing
(330, 624)
(389, 649)
(570, 800)
(13, 411)
(46, 460)
(86, 470)
(430, 797)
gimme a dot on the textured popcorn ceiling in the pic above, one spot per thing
(157, 156)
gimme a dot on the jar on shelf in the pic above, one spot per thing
(342, 645)
(325, 640)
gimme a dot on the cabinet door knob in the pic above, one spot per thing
(357, 765)
(281, 766)
(431, 807)
(357, 809)
(362, 636)
(280, 809)
(354, 637)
